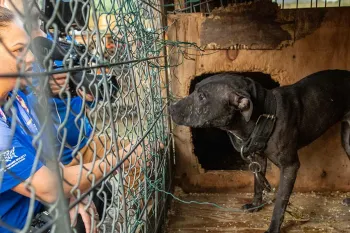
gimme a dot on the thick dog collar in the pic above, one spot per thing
(262, 131)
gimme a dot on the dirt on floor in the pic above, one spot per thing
(307, 213)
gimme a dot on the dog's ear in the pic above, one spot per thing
(243, 103)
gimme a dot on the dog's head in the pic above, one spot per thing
(216, 102)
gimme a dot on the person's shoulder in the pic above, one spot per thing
(6, 136)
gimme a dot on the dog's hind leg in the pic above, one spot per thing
(345, 139)
(258, 187)
(345, 133)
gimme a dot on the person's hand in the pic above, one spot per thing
(57, 83)
(86, 213)
(137, 156)
(88, 97)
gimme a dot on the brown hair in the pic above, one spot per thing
(6, 16)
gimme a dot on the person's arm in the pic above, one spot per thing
(83, 176)
(45, 184)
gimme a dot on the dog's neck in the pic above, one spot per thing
(262, 101)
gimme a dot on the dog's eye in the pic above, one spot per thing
(201, 97)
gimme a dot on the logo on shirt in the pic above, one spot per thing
(22, 103)
(3, 116)
(11, 160)
(8, 155)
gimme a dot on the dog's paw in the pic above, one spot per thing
(251, 208)
(346, 201)
(275, 231)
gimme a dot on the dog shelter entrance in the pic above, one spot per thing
(212, 146)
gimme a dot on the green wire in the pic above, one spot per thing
(205, 203)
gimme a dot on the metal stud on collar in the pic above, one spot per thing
(268, 116)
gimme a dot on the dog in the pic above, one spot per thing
(276, 122)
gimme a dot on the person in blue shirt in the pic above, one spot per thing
(20, 162)
(73, 145)
(67, 121)
(73, 124)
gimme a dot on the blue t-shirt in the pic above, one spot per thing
(73, 121)
(73, 125)
(18, 155)
(69, 120)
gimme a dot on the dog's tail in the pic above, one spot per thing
(345, 133)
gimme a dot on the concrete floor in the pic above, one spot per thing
(312, 212)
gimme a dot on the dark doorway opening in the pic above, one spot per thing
(212, 146)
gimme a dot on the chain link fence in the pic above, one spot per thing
(85, 134)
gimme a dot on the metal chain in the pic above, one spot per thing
(256, 169)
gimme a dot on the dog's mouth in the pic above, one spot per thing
(194, 121)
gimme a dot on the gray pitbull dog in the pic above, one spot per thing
(301, 113)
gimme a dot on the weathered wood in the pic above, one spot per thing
(258, 25)
(302, 22)
(249, 26)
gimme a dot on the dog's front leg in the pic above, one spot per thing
(258, 187)
(288, 176)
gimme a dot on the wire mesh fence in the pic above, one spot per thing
(85, 142)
